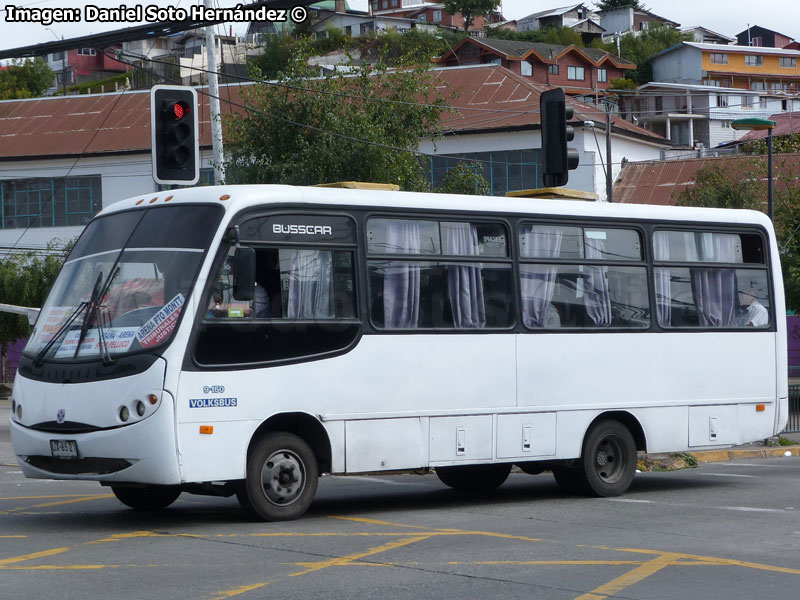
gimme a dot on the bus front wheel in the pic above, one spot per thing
(149, 497)
(281, 478)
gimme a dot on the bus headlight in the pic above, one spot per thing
(124, 414)
(140, 408)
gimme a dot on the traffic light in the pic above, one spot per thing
(175, 144)
(558, 159)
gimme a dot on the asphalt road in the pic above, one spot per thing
(721, 531)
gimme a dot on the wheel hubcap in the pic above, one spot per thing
(283, 477)
(609, 460)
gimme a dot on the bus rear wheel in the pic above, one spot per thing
(607, 465)
(281, 478)
(150, 497)
(474, 477)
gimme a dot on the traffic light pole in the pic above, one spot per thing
(609, 175)
(213, 102)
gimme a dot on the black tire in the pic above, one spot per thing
(150, 497)
(608, 459)
(531, 468)
(474, 477)
(607, 464)
(281, 478)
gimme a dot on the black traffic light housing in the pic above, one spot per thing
(175, 143)
(558, 159)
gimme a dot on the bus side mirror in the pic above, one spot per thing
(244, 273)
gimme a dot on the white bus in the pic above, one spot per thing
(244, 340)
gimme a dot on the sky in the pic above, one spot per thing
(728, 17)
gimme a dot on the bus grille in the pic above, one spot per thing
(79, 466)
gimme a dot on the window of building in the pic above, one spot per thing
(57, 56)
(725, 296)
(757, 41)
(747, 101)
(506, 171)
(582, 296)
(644, 26)
(422, 18)
(437, 16)
(725, 124)
(468, 287)
(602, 75)
(87, 52)
(385, 4)
(753, 60)
(722, 100)
(788, 63)
(49, 201)
(348, 30)
(758, 85)
(575, 73)
(552, 69)
(719, 58)
(526, 69)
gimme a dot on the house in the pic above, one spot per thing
(703, 35)
(697, 115)
(577, 17)
(65, 158)
(786, 123)
(82, 65)
(577, 70)
(743, 67)
(429, 12)
(661, 182)
(361, 24)
(496, 123)
(624, 19)
(761, 37)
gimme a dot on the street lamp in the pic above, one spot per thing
(439, 37)
(756, 124)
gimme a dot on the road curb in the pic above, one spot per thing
(733, 454)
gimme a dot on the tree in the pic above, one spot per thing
(25, 280)
(25, 79)
(611, 4)
(363, 126)
(470, 9)
(464, 178)
(641, 48)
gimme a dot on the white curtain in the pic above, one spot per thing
(663, 282)
(401, 280)
(464, 281)
(538, 281)
(310, 284)
(595, 282)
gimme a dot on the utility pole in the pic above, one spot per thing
(213, 101)
(609, 176)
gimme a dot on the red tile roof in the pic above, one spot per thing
(661, 182)
(487, 97)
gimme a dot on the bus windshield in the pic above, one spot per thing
(124, 285)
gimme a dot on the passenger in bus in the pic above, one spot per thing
(260, 303)
(753, 312)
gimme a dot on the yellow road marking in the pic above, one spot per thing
(716, 561)
(72, 500)
(18, 559)
(6, 537)
(350, 558)
(631, 577)
(240, 590)
(46, 497)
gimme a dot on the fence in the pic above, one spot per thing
(793, 426)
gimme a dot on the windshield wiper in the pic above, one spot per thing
(39, 358)
(93, 314)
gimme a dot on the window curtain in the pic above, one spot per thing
(538, 282)
(715, 290)
(464, 281)
(663, 282)
(401, 280)
(595, 281)
(310, 284)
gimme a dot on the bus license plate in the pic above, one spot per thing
(64, 448)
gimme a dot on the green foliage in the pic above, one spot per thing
(275, 57)
(361, 127)
(470, 9)
(563, 36)
(743, 185)
(25, 279)
(640, 49)
(107, 84)
(780, 144)
(623, 84)
(25, 79)
(609, 4)
(464, 178)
